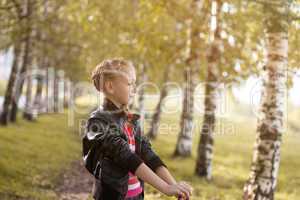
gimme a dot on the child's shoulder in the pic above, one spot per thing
(99, 113)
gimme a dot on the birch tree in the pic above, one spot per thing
(184, 140)
(10, 86)
(266, 156)
(205, 146)
(26, 58)
(154, 126)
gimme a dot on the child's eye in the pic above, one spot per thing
(131, 84)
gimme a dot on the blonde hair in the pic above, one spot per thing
(107, 70)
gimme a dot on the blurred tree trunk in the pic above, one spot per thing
(28, 109)
(20, 81)
(153, 132)
(9, 98)
(141, 92)
(184, 141)
(42, 63)
(25, 60)
(38, 101)
(205, 146)
(56, 91)
(67, 92)
(266, 156)
(50, 89)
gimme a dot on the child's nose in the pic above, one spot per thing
(133, 89)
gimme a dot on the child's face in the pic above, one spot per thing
(123, 86)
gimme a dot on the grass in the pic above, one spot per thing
(231, 162)
(2, 87)
(32, 155)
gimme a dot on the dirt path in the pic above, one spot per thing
(76, 183)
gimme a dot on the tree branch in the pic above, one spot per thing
(296, 18)
(266, 2)
(18, 8)
(6, 7)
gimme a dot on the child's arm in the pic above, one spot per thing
(154, 162)
(164, 174)
(157, 165)
(147, 175)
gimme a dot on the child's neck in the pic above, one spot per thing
(119, 105)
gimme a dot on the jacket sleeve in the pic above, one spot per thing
(104, 138)
(149, 156)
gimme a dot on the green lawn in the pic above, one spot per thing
(33, 154)
(2, 87)
(231, 162)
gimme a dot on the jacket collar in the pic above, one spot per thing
(108, 105)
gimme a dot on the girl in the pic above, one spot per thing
(114, 150)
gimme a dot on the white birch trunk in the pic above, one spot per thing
(266, 158)
(185, 137)
(205, 147)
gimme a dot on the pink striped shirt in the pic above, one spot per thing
(134, 185)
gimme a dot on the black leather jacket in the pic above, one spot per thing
(107, 155)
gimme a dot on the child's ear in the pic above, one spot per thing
(109, 87)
